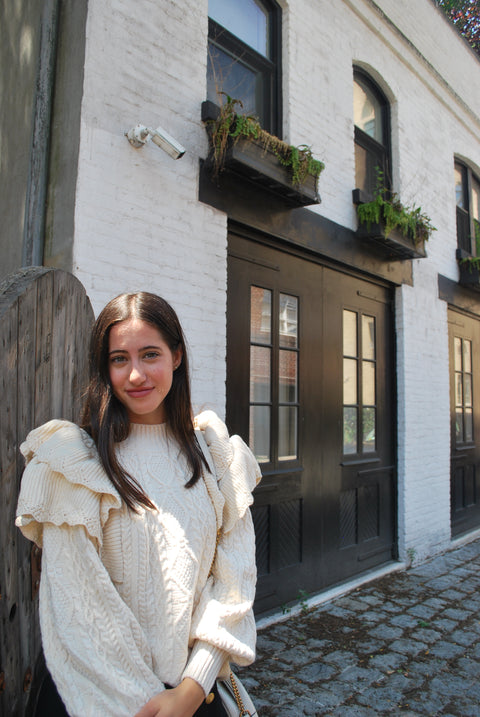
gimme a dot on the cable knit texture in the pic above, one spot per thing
(126, 603)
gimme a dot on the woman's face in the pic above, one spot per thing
(141, 367)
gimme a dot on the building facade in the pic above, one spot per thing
(347, 359)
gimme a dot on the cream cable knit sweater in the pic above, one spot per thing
(126, 604)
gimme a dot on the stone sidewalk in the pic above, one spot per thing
(406, 644)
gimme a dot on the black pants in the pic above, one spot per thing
(50, 703)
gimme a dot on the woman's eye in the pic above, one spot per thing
(151, 355)
(117, 359)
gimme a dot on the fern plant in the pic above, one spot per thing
(232, 125)
(386, 207)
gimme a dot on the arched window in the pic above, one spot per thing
(372, 134)
(467, 193)
(244, 57)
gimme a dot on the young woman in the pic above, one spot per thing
(148, 565)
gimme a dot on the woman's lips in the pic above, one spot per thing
(139, 392)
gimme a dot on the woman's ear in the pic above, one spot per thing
(177, 358)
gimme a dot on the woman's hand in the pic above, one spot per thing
(181, 701)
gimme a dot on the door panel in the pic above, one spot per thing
(321, 515)
(464, 337)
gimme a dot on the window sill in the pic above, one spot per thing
(396, 246)
(469, 272)
(249, 159)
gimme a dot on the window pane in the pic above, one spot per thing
(367, 111)
(368, 337)
(349, 333)
(459, 193)
(260, 315)
(458, 390)
(458, 354)
(368, 430)
(468, 424)
(349, 381)
(475, 199)
(228, 74)
(459, 425)
(259, 439)
(260, 372)
(287, 377)
(368, 385)
(288, 320)
(467, 388)
(360, 167)
(350, 430)
(246, 19)
(287, 433)
(467, 356)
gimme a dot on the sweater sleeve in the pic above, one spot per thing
(223, 625)
(94, 646)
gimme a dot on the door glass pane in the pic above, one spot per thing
(350, 425)
(260, 432)
(368, 430)
(458, 354)
(288, 320)
(260, 372)
(468, 416)
(368, 383)
(349, 381)
(260, 315)
(246, 19)
(287, 378)
(467, 356)
(459, 425)
(467, 395)
(458, 389)
(287, 433)
(349, 333)
(368, 337)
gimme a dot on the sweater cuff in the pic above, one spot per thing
(205, 664)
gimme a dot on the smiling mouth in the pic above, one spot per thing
(139, 392)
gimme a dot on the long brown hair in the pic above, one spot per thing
(105, 418)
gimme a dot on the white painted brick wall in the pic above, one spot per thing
(139, 224)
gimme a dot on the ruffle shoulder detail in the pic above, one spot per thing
(63, 482)
(235, 465)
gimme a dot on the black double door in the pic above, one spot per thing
(310, 388)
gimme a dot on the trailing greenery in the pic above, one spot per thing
(387, 208)
(230, 126)
(473, 262)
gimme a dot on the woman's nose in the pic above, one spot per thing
(136, 375)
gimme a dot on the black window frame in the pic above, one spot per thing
(378, 154)
(464, 216)
(270, 68)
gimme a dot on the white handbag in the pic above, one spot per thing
(235, 698)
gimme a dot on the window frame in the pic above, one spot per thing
(464, 216)
(381, 152)
(270, 68)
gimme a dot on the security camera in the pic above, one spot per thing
(139, 135)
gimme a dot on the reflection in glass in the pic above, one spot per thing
(260, 315)
(349, 381)
(367, 111)
(458, 389)
(288, 320)
(287, 433)
(459, 425)
(235, 79)
(246, 19)
(260, 432)
(468, 417)
(458, 353)
(368, 337)
(467, 356)
(287, 377)
(260, 359)
(350, 425)
(459, 188)
(368, 387)
(467, 390)
(349, 333)
(368, 429)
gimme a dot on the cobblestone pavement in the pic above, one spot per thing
(406, 644)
